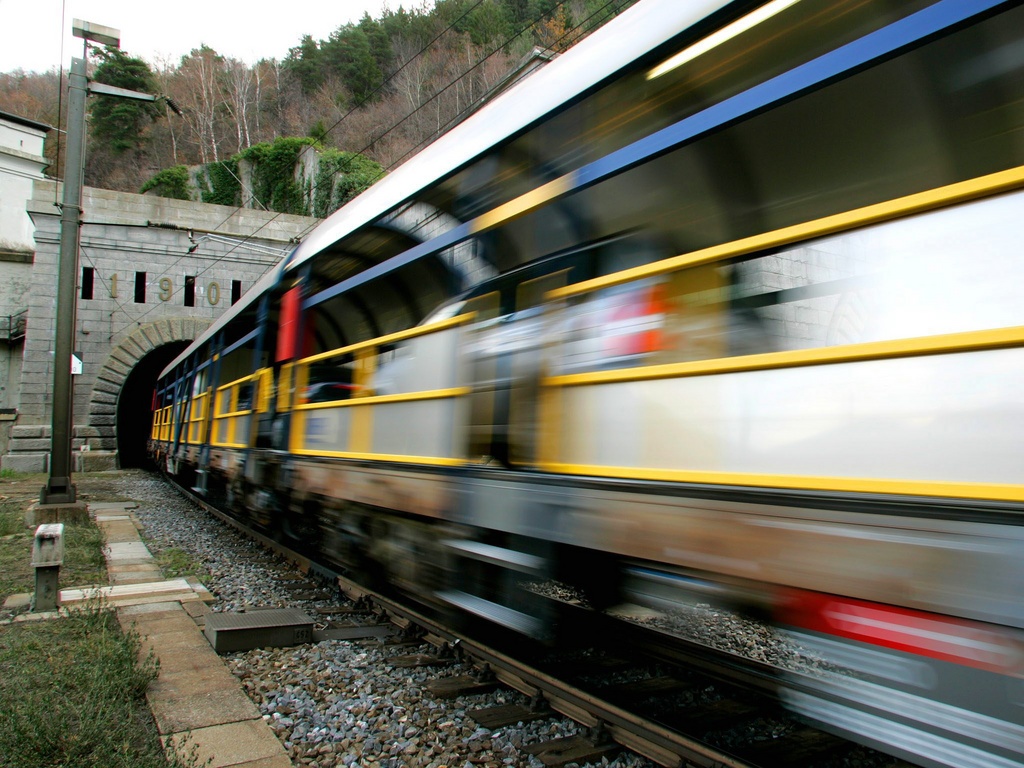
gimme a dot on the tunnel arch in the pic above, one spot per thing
(124, 384)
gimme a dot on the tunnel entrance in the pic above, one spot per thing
(134, 403)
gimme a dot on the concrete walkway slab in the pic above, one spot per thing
(136, 568)
(199, 679)
(167, 643)
(198, 610)
(230, 744)
(189, 709)
(127, 550)
(139, 573)
(132, 612)
(120, 532)
(134, 594)
(112, 506)
(196, 702)
(169, 589)
(163, 623)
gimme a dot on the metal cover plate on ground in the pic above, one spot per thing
(229, 632)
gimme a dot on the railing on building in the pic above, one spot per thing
(12, 327)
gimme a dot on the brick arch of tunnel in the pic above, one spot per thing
(124, 387)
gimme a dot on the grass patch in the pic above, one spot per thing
(177, 563)
(83, 552)
(74, 695)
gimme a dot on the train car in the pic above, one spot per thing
(721, 302)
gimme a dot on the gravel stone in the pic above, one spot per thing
(342, 703)
(335, 703)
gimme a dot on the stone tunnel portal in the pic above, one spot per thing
(134, 403)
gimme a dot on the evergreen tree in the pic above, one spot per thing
(380, 43)
(305, 64)
(118, 122)
(349, 55)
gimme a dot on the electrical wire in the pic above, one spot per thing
(469, 110)
(522, 30)
(391, 77)
(435, 96)
(365, 100)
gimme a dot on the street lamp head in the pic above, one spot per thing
(96, 33)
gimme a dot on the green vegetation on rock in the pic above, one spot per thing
(170, 182)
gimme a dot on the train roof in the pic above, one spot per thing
(637, 31)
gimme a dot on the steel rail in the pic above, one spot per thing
(658, 743)
(655, 742)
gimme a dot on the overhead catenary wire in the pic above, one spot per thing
(359, 104)
(425, 48)
(462, 115)
(380, 87)
(521, 31)
(452, 83)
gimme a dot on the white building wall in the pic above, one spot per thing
(21, 162)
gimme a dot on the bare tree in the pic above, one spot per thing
(240, 86)
(229, 106)
(411, 76)
(266, 75)
(197, 92)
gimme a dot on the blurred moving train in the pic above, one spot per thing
(724, 301)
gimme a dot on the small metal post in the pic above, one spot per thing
(47, 557)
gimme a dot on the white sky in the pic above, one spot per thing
(164, 31)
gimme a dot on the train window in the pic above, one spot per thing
(642, 101)
(245, 397)
(946, 271)
(486, 307)
(329, 382)
(530, 293)
(942, 272)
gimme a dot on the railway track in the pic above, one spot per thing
(676, 702)
(673, 701)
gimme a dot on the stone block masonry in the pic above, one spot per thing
(138, 250)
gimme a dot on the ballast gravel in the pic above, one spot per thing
(337, 702)
(345, 703)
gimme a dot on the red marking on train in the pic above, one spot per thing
(972, 644)
(288, 325)
(637, 322)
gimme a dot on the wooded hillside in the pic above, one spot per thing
(381, 88)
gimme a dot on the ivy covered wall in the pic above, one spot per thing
(289, 175)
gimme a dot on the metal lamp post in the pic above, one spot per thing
(59, 489)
